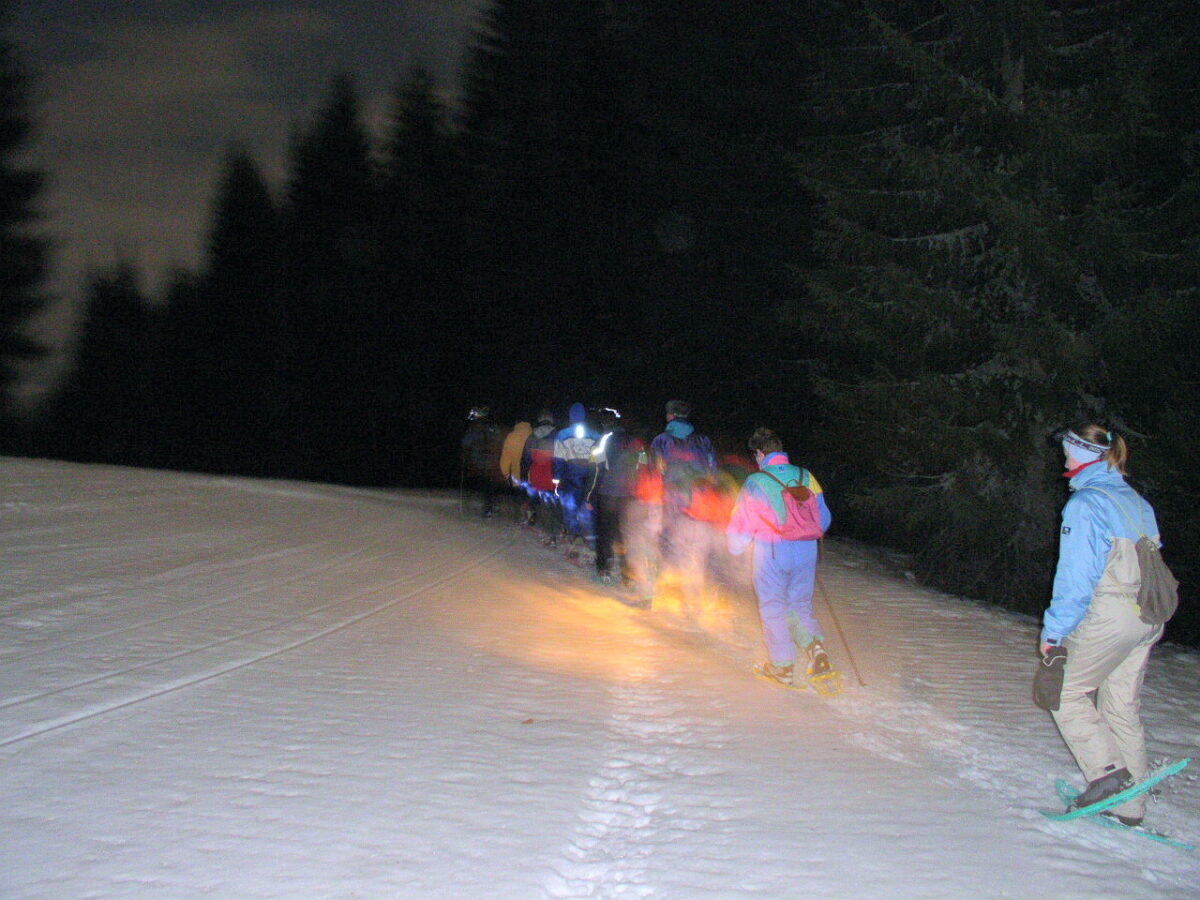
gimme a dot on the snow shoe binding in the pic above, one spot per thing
(1104, 787)
(825, 680)
(1069, 795)
(782, 675)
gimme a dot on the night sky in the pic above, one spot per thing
(136, 102)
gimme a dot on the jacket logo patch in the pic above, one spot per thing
(1066, 529)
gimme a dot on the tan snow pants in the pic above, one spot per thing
(1107, 654)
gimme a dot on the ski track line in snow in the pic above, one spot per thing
(194, 680)
(123, 551)
(220, 569)
(271, 585)
(200, 648)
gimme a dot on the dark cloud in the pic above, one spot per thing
(137, 101)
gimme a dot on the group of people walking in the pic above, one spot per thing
(671, 514)
(667, 516)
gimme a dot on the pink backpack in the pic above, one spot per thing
(803, 519)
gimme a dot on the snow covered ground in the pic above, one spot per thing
(216, 687)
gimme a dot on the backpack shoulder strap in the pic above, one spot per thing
(1141, 528)
(777, 480)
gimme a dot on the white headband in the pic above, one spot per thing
(1083, 451)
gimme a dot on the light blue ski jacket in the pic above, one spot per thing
(1090, 521)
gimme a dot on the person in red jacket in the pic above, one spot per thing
(537, 466)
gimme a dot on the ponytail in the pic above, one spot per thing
(1117, 454)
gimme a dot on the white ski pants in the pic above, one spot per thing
(1107, 654)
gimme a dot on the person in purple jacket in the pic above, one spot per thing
(784, 570)
(687, 461)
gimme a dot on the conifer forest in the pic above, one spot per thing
(917, 237)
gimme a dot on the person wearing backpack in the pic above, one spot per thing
(688, 463)
(511, 453)
(617, 456)
(480, 448)
(574, 473)
(1093, 631)
(782, 528)
(537, 465)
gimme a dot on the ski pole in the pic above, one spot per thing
(462, 485)
(837, 624)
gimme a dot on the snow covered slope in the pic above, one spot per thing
(235, 688)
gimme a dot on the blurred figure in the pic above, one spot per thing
(642, 529)
(617, 457)
(688, 464)
(733, 574)
(574, 472)
(785, 555)
(711, 506)
(537, 464)
(510, 468)
(481, 457)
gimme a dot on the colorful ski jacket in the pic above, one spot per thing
(685, 458)
(573, 463)
(538, 459)
(513, 449)
(760, 509)
(1090, 522)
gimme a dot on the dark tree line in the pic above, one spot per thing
(916, 235)
(23, 246)
(1000, 241)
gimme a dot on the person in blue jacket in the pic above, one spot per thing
(574, 473)
(1094, 618)
(785, 570)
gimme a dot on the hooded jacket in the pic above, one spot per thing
(538, 459)
(1090, 522)
(573, 463)
(685, 458)
(513, 449)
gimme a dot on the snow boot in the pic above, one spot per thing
(818, 660)
(782, 674)
(1103, 787)
(1127, 821)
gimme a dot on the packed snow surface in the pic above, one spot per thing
(217, 687)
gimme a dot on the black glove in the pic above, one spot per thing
(1048, 681)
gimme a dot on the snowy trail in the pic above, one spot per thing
(252, 689)
(113, 664)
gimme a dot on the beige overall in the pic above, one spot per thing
(1107, 655)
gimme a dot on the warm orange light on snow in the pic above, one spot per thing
(615, 643)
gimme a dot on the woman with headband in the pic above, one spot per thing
(1093, 620)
